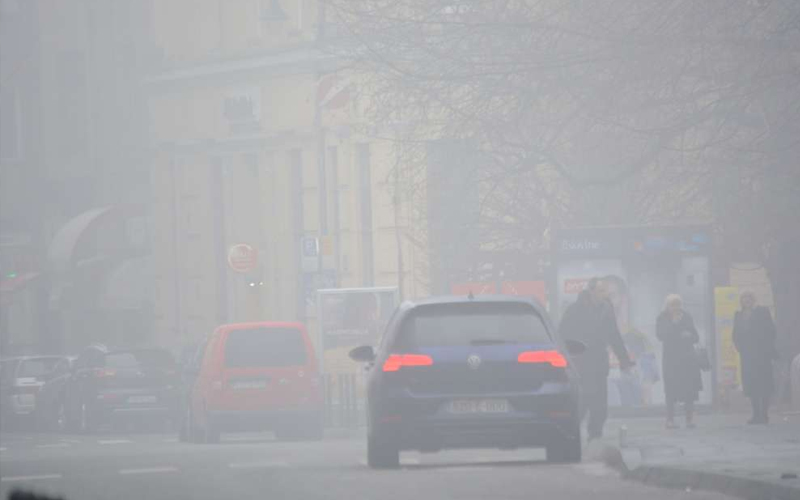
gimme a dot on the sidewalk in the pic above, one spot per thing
(721, 454)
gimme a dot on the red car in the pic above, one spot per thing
(252, 377)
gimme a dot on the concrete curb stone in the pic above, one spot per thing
(693, 479)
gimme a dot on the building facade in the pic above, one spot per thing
(255, 144)
(70, 146)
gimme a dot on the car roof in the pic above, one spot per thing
(478, 299)
(261, 324)
(28, 358)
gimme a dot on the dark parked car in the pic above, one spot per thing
(21, 381)
(483, 372)
(49, 412)
(107, 386)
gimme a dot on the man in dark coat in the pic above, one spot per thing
(754, 336)
(591, 320)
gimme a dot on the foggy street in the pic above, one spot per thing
(399, 249)
(155, 466)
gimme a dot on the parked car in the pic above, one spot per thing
(50, 414)
(21, 380)
(484, 372)
(108, 386)
(254, 376)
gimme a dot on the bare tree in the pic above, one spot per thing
(590, 112)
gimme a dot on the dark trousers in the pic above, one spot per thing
(760, 407)
(594, 401)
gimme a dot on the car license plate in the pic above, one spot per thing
(472, 406)
(141, 399)
(249, 384)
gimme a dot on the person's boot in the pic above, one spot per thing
(756, 413)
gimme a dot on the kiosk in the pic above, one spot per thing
(642, 266)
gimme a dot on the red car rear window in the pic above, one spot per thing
(265, 347)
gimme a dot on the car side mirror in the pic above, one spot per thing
(575, 347)
(363, 354)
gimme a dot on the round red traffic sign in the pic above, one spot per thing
(242, 258)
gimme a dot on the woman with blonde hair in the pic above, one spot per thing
(682, 383)
(754, 336)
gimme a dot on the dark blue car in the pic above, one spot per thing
(483, 372)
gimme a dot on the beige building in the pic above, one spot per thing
(253, 142)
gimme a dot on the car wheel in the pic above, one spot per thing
(382, 454)
(315, 428)
(185, 429)
(195, 432)
(86, 425)
(71, 417)
(567, 451)
(59, 423)
(211, 432)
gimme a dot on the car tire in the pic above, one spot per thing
(566, 451)
(381, 453)
(85, 419)
(315, 428)
(58, 423)
(185, 429)
(213, 434)
(211, 431)
(72, 421)
(194, 432)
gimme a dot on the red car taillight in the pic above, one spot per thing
(555, 358)
(104, 372)
(396, 361)
(25, 389)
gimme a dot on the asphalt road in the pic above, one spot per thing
(151, 467)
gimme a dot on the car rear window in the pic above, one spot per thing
(135, 359)
(265, 347)
(7, 370)
(453, 325)
(36, 368)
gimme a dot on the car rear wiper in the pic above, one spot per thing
(490, 342)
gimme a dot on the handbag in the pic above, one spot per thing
(702, 359)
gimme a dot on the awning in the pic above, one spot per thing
(129, 285)
(66, 240)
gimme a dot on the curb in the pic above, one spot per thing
(692, 479)
(728, 484)
(345, 433)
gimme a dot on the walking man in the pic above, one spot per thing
(591, 320)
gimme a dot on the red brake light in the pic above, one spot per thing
(25, 389)
(104, 372)
(396, 361)
(555, 358)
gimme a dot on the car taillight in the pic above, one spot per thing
(555, 358)
(396, 361)
(26, 389)
(104, 372)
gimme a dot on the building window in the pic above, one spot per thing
(10, 125)
(364, 170)
(301, 7)
(73, 104)
(271, 10)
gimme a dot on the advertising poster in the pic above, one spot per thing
(726, 302)
(350, 318)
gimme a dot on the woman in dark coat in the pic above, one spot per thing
(754, 337)
(682, 382)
